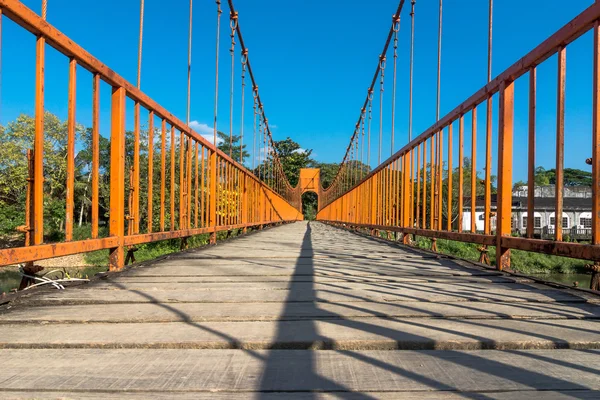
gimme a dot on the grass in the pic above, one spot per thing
(10, 279)
(98, 260)
(150, 251)
(522, 261)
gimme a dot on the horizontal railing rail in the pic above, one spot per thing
(420, 189)
(207, 190)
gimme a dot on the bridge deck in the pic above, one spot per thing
(306, 310)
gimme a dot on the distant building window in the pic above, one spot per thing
(585, 222)
(565, 222)
(482, 217)
(537, 222)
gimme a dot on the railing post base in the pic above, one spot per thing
(595, 281)
(484, 256)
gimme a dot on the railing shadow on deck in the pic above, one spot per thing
(301, 363)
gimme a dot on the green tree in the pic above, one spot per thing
(224, 146)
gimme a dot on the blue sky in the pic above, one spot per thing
(313, 61)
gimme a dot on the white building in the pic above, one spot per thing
(576, 218)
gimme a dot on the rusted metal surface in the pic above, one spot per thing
(201, 185)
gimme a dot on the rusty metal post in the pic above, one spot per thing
(70, 187)
(38, 144)
(595, 161)
(117, 178)
(531, 154)
(150, 169)
(560, 143)
(461, 147)
(505, 161)
(212, 199)
(95, 153)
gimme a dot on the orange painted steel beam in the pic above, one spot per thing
(505, 161)
(95, 153)
(461, 148)
(117, 178)
(596, 137)
(70, 187)
(531, 153)
(450, 194)
(150, 192)
(38, 143)
(20, 255)
(560, 143)
(473, 169)
(488, 169)
(163, 162)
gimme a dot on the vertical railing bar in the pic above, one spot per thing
(150, 191)
(196, 161)
(203, 188)
(474, 170)
(432, 174)
(424, 206)
(70, 195)
(95, 153)
(440, 178)
(411, 187)
(182, 194)
(560, 142)
(450, 188)
(135, 218)
(461, 145)
(163, 167)
(505, 158)
(117, 178)
(488, 168)
(596, 137)
(417, 222)
(172, 188)
(531, 153)
(189, 183)
(38, 144)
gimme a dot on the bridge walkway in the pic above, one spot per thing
(303, 311)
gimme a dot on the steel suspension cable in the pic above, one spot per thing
(260, 152)
(362, 145)
(370, 99)
(412, 53)
(266, 131)
(244, 61)
(219, 12)
(439, 64)
(233, 19)
(488, 134)
(254, 94)
(189, 69)
(382, 59)
(396, 28)
(139, 63)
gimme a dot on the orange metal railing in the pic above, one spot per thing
(215, 193)
(415, 192)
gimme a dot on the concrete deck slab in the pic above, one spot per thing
(207, 324)
(297, 370)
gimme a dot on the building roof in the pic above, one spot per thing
(541, 203)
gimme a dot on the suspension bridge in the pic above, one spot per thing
(342, 307)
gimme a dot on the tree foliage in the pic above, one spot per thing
(225, 146)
